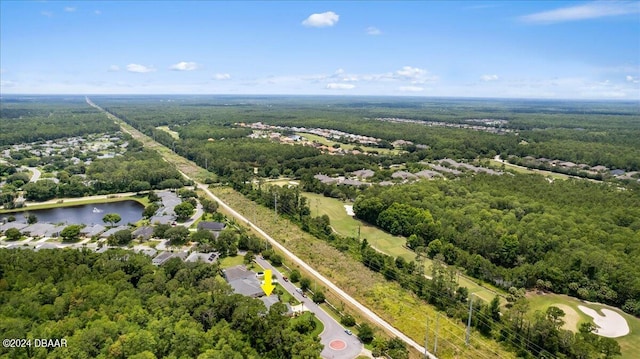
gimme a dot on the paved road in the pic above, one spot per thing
(333, 331)
(366, 311)
(36, 174)
(370, 314)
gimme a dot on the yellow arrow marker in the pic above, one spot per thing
(267, 286)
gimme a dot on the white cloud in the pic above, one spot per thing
(139, 68)
(373, 31)
(222, 76)
(184, 66)
(97, 12)
(633, 80)
(489, 77)
(338, 86)
(409, 72)
(591, 10)
(324, 19)
(69, 9)
(114, 68)
(7, 83)
(46, 13)
(411, 88)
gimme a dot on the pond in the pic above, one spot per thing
(129, 211)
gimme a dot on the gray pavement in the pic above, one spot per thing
(333, 331)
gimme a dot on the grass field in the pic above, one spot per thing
(629, 344)
(346, 146)
(381, 240)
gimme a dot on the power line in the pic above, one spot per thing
(431, 291)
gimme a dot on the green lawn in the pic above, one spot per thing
(629, 344)
(227, 262)
(379, 239)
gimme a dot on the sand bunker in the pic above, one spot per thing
(611, 325)
(349, 210)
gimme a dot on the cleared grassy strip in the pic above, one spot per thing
(381, 240)
(181, 163)
(166, 129)
(629, 344)
(396, 305)
(520, 169)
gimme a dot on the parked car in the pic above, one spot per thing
(349, 332)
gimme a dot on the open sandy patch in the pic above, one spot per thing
(571, 317)
(610, 325)
(349, 210)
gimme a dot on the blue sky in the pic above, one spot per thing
(518, 49)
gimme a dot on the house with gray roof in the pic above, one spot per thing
(364, 173)
(428, 174)
(325, 179)
(211, 226)
(92, 230)
(403, 175)
(16, 225)
(163, 257)
(113, 231)
(42, 230)
(143, 233)
(202, 257)
(243, 281)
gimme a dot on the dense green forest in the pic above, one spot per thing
(24, 120)
(118, 305)
(573, 237)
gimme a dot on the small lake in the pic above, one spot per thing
(130, 211)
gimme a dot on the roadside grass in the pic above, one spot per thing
(629, 344)
(399, 307)
(383, 241)
(347, 146)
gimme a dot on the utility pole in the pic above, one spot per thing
(275, 205)
(435, 343)
(466, 339)
(358, 233)
(426, 340)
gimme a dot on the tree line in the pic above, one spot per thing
(118, 305)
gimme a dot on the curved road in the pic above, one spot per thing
(333, 331)
(370, 314)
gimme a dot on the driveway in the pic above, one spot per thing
(337, 343)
